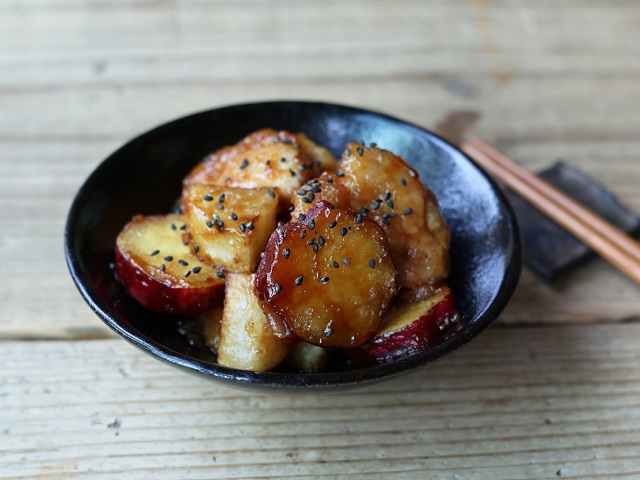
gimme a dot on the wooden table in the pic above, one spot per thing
(553, 390)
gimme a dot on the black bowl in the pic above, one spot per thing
(144, 176)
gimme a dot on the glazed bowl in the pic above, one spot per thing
(144, 177)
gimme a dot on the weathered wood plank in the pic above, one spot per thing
(516, 403)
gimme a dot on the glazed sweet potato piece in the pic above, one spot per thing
(393, 196)
(160, 272)
(229, 226)
(329, 275)
(384, 187)
(247, 340)
(409, 328)
(267, 158)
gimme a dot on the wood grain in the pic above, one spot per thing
(78, 79)
(516, 403)
(550, 392)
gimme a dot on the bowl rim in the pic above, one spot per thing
(280, 380)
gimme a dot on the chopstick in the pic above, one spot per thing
(607, 240)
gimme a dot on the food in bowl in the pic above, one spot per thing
(289, 258)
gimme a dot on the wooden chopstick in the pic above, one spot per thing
(610, 242)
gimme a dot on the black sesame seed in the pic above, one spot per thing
(197, 269)
(220, 206)
(403, 181)
(216, 217)
(182, 227)
(316, 189)
(364, 210)
(271, 193)
(293, 174)
(306, 200)
(208, 198)
(343, 231)
(302, 193)
(330, 180)
(188, 273)
(376, 206)
(219, 274)
(360, 151)
(303, 233)
(185, 243)
(219, 223)
(291, 209)
(268, 162)
(339, 174)
(374, 145)
(324, 279)
(385, 221)
(311, 241)
(244, 164)
(346, 261)
(335, 264)
(359, 218)
(182, 262)
(286, 252)
(298, 280)
(243, 227)
(168, 258)
(163, 267)
(389, 215)
(173, 226)
(372, 263)
(250, 225)
(302, 216)
(387, 196)
(277, 288)
(196, 248)
(333, 224)
(209, 224)
(234, 216)
(283, 159)
(408, 211)
(311, 224)
(311, 196)
(315, 248)
(222, 197)
(390, 203)
(155, 252)
(320, 240)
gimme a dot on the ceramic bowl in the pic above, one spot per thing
(144, 176)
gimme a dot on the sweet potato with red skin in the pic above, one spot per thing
(329, 275)
(175, 288)
(409, 328)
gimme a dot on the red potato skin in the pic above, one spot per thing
(423, 333)
(160, 297)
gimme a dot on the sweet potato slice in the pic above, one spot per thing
(229, 226)
(391, 194)
(267, 158)
(160, 272)
(329, 275)
(247, 340)
(409, 328)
